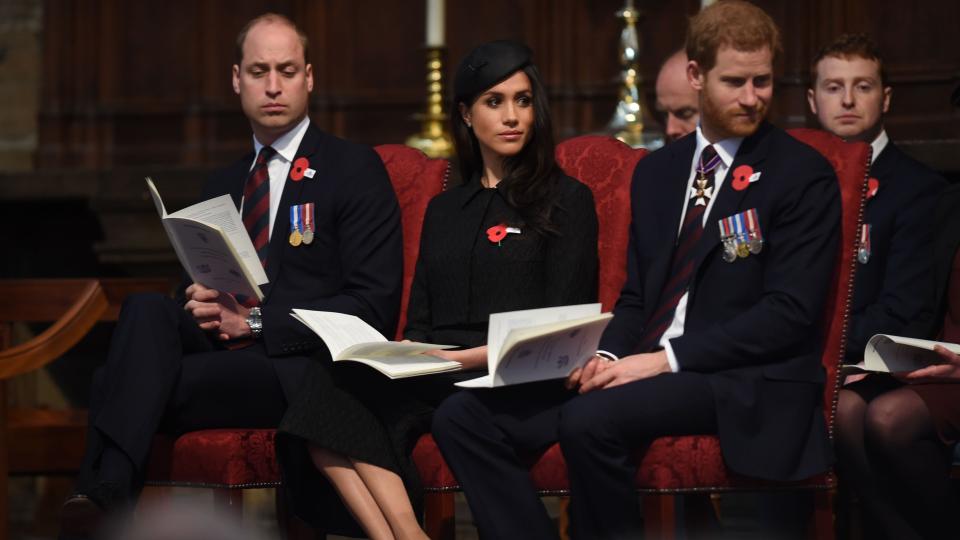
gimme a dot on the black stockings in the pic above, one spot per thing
(891, 456)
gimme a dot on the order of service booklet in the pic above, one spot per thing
(349, 338)
(213, 245)
(895, 354)
(540, 344)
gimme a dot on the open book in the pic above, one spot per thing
(213, 245)
(349, 338)
(894, 354)
(540, 344)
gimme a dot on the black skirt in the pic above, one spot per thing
(355, 411)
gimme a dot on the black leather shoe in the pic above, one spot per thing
(80, 517)
(82, 514)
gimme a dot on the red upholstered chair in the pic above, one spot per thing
(606, 165)
(676, 465)
(229, 460)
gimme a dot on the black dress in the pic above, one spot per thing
(463, 274)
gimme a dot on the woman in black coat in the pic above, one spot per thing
(516, 234)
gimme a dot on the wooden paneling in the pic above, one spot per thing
(128, 84)
(135, 88)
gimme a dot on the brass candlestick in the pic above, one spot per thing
(433, 139)
(627, 122)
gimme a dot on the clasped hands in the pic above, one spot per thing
(217, 312)
(600, 373)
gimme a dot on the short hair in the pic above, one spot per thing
(730, 23)
(849, 46)
(269, 18)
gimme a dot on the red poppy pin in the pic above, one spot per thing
(872, 186)
(497, 233)
(301, 168)
(741, 177)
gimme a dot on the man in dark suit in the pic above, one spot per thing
(326, 225)
(894, 286)
(732, 245)
(895, 290)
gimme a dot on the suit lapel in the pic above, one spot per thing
(752, 152)
(309, 148)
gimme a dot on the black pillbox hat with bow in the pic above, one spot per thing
(486, 66)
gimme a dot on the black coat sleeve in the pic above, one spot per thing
(571, 254)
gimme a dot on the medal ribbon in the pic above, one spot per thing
(753, 223)
(865, 237)
(295, 218)
(705, 169)
(308, 217)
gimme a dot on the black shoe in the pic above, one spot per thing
(83, 513)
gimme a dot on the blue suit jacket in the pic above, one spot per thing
(754, 325)
(896, 285)
(354, 264)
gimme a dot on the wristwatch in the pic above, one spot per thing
(255, 323)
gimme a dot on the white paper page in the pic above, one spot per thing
(551, 356)
(338, 330)
(480, 382)
(391, 350)
(405, 367)
(155, 195)
(897, 354)
(211, 262)
(221, 212)
(502, 323)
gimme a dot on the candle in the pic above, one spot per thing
(435, 20)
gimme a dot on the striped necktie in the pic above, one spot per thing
(256, 203)
(681, 264)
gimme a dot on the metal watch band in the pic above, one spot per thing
(255, 322)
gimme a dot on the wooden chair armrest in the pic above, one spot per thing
(86, 309)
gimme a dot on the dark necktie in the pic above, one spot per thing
(681, 264)
(256, 203)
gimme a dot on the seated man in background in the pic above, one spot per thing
(677, 101)
(893, 292)
(209, 361)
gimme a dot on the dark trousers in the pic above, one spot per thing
(485, 434)
(165, 374)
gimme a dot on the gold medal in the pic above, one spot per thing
(295, 238)
(742, 250)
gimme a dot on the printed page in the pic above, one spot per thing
(543, 352)
(550, 351)
(338, 330)
(208, 257)
(349, 338)
(886, 353)
(220, 211)
(502, 323)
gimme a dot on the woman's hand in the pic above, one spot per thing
(949, 371)
(475, 358)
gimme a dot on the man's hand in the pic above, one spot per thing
(595, 365)
(628, 369)
(217, 312)
(944, 373)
